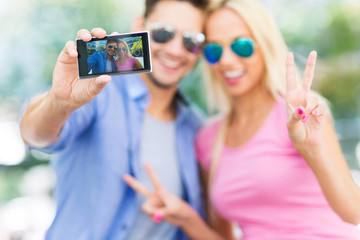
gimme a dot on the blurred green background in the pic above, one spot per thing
(33, 32)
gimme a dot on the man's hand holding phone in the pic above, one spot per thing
(67, 88)
(45, 115)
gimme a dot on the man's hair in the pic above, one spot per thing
(150, 5)
(112, 40)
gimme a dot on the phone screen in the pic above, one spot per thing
(115, 54)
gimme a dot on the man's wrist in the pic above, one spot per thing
(64, 106)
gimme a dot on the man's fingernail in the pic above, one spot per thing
(305, 118)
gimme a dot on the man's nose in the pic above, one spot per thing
(176, 46)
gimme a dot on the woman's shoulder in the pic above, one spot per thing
(210, 128)
(205, 140)
(280, 108)
(132, 59)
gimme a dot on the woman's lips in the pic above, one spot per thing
(233, 77)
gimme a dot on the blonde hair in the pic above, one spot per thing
(271, 43)
(127, 47)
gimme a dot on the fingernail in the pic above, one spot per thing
(315, 112)
(305, 118)
(158, 217)
(300, 111)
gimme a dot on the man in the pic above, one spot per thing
(101, 62)
(101, 133)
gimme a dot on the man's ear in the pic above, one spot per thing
(138, 24)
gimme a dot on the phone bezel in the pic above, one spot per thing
(82, 61)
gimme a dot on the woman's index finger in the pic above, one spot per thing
(153, 177)
(309, 71)
(136, 185)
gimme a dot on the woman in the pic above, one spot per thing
(273, 162)
(126, 61)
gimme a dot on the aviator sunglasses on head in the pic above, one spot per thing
(162, 33)
(243, 47)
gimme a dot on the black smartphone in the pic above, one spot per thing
(113, 55)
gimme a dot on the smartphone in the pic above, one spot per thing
(113, 55)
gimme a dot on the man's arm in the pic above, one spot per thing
(45, 115)
(93, 61)
(43, 119)
(138, 65)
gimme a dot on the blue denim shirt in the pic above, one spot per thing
(98, 144)
(97, 62)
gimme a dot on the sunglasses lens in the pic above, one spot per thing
(244, 47)
(162, 34)
(213, 52)
(193, 41)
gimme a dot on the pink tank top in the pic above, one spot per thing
(129, 65)
(267, 188)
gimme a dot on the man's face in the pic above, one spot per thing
(170, 60)
(110, 48)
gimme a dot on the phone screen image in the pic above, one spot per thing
(115, 54)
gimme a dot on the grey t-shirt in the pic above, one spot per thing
(157, 147)
(108, 66)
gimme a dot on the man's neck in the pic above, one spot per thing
(162, 104)
(108, 56)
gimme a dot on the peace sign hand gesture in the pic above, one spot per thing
(160, 204)
(305, 111)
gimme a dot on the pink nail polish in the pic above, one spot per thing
(305, 118)
(158, 217)
(300, 111)
(315, 112)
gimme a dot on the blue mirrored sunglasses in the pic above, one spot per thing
(123, 48)
(243, 47)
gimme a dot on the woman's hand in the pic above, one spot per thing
(305, 111)
(160, 204)
(315, 139)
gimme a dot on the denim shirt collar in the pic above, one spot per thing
(105, 56)
(138, 92)
(183, 106)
